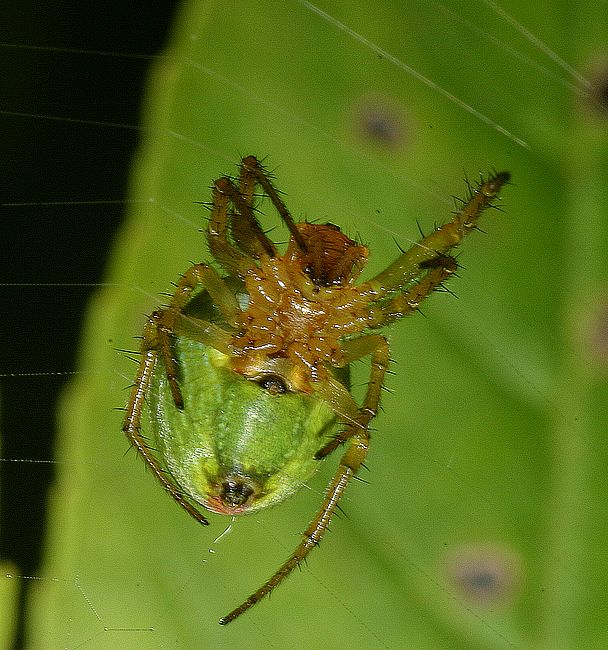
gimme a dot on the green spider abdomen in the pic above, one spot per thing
(238, 445)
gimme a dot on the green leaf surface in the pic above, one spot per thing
(482, 524)
(9, 598)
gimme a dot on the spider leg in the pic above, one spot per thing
(350, 463)
(337, 396)
(132, 421)
(167, 320)
(206, 277)
(251, 164)
(441, 268)
(157, 339)
(377, 346)
(407, 266)
(247, 180)
(252, 241)
(232, 257)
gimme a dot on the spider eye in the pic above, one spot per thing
(273, 384)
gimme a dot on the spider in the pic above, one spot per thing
(243, 377)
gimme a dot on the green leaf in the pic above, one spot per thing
(483, 522)
(9, 599)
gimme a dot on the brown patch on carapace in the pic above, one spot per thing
(331, 258)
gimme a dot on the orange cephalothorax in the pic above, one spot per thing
(289, 315)
(296, 306)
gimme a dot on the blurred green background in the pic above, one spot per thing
(483, 520)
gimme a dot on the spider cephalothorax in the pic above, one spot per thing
(301, 304)
(243, 384)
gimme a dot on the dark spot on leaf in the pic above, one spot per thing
(381, 121)
(597, 99)
(599, 333)
(485, 575)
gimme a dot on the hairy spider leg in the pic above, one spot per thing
(168, 319)
(376, 346)
(427, 257)
(441, 268)
(350, 464)
(247, 181)
(407, 267)
(238, 258)
(157, 341)
(398, 307)
(248, 236)
(132, 423)
(251, 240)
(252, 165)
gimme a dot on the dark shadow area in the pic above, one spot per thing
(48, 160)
